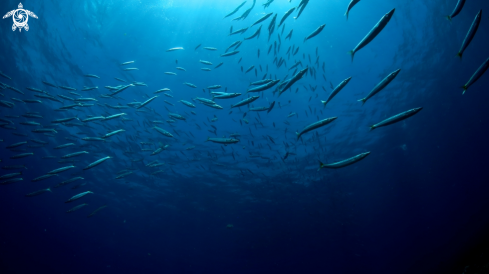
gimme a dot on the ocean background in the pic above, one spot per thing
(417, 204)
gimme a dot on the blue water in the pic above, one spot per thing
(416, 204)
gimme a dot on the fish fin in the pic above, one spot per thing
(352, 53)
(321, 165)
(465, 89)
(363, 100)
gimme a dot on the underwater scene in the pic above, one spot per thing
(232, 136)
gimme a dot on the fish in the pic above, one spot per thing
(345, 162)
(130, 69)
(206, 69)
(478, 73)
(39, 192)
(119, 79)
(205, 62)
(88, 88)
(397, 118)
(18, 144)
(257, 33)
(456, 11)
(190, 85)
(214, 87)
(263, 18)
(315, 125)
(336, 91)
(21, 155)
(11, 181)
(188, 104)
(127, 63)
(249, 69)
(174, 49)
(210, 48)
(64, 146)
(96, 163)
(43, 177)
(76, 208)
(50, 84)
(4, 75)
(224, 141)
(225, 96)
(235, 10)
(314, 33)
(95, 118)
(163, 132)
(287, 14)
(245, 101)
(78, 196)
(270, 108)
(162, 90)
(380, 86)
(10, 175)
(292, 80)
(264, 87)
(230, 53)
(180, 68)
(65, 182)
(289, 36)
(240, 31)
(147, 102)
(470, 34)
(373, 33)
(170, 73)
(261, 82)
(113, 116)
(74, 154)
(350, 6)
(96, 210)
(91, 76)
(302, 6)
(66, 88)
(197, 46)
(258, 109)
(218, 65)
(61, 169)
(112, 133)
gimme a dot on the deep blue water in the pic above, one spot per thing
(416, 204)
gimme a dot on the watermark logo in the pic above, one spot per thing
(20, 17)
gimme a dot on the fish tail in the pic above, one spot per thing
(449, 18)
(372, 127)
(363, 100)
(321, 165)
(48, 189)
(346, 14)
(352, 53)
(207, 139)
(465, 89)
(324, 103)
(459, 54)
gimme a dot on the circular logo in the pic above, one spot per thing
(20, 18)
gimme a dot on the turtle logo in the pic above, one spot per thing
(20, 16)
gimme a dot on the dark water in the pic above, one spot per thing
(416, 204)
